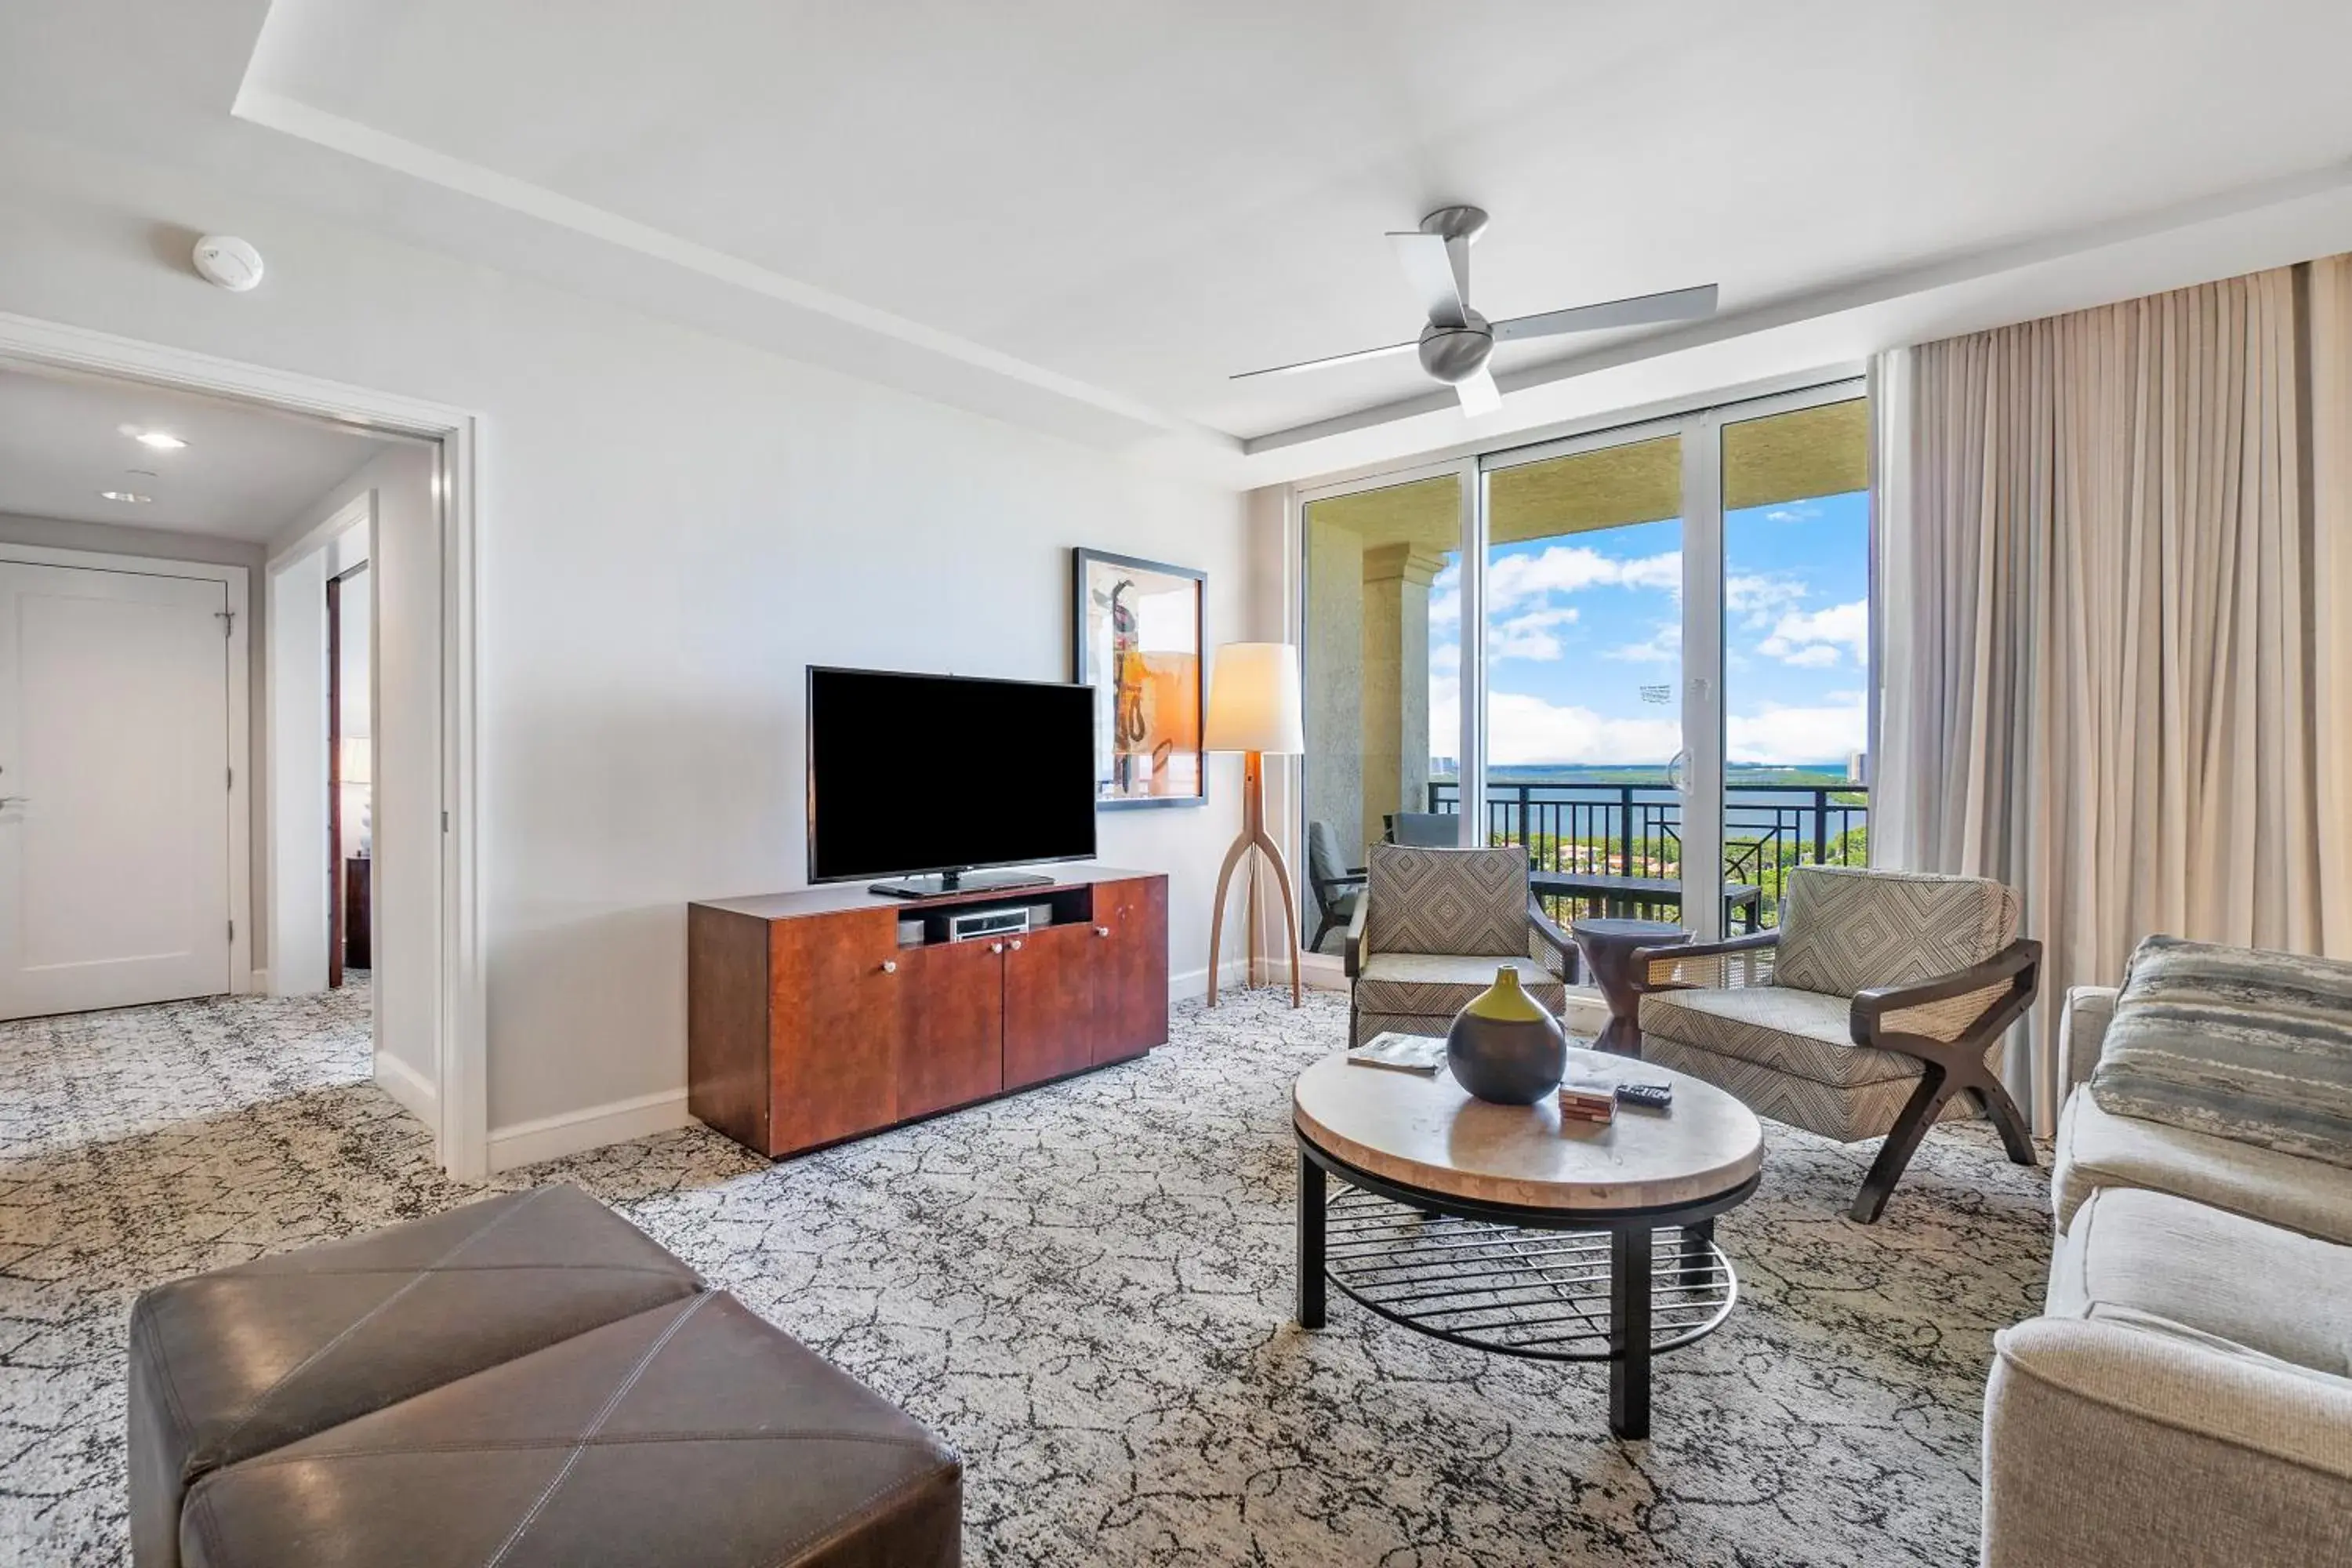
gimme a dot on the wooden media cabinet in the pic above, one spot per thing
(809, 1020)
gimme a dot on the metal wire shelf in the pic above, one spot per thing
(1538, 1293)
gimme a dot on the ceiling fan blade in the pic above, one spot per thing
(1324, 363)
(1674, 305)
(1478, 392)
(1435, 268)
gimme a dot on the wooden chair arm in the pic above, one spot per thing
(1558, 941)
(1991, 996)
(1356, 951)
(1648, 964)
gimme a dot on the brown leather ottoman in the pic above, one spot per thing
(692, 1435)
(230, 1364)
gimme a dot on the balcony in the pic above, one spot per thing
(1616, 849)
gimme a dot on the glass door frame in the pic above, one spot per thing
(1701, 430)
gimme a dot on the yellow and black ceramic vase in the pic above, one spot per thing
(1504, 1047)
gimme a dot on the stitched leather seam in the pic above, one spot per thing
(180, 1422)
(867, 1507)
(253, 1408)
(454, 1269)
(282, 1456)
(562, 1474)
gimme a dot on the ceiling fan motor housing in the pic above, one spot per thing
(1456, 353)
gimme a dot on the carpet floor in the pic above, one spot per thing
(1086, 1288)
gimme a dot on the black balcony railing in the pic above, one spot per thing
(1635, 831)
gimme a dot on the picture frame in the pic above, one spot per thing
(1138, 636)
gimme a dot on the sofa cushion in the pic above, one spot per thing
(1438, 985)
(1843, 929)
(233, 1363)
(2272, 1291)
(2238, 1042)
(692, 1435)
(1464, 901)
(2099, 1149)
(1803, 1033)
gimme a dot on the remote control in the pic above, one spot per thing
(1648, 1096)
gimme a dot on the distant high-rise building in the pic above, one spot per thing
(1857, 767)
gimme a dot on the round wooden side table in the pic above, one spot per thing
(1506, 1228)
(1609, 946)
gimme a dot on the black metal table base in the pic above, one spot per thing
(1546, 1284)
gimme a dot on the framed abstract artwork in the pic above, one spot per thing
(1138, 640)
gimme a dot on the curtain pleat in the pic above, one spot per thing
(2116, 581)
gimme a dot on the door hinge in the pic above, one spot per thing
(232, 931)
(232, 778)
(228, 621)
(445, 822)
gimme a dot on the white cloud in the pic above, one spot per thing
(1571, 568)
(1522, 729)
(1811, 639)
(1803, 511)
(1756, 597)
(1529, 634)
(1786, 737)
(1445, 595)
(1663, 645)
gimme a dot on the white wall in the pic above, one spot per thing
(673, 527)
(168, 545)
(297, 776)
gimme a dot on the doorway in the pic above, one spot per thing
(437, 1000)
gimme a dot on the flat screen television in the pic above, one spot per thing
(923, 779)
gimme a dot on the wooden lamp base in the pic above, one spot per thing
(1254, 837)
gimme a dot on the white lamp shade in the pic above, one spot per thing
(358, 759)
(1253, 699)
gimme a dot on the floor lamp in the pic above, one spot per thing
(1253, 709)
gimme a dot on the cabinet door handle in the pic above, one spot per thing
(1102, 930)
(1016, 944)
(889, 966)
(997, 947)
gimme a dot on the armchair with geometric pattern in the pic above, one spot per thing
(1877, 1008)
(1431, 928)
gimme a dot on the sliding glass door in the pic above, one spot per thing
(1641, 654)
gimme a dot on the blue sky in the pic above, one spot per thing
(1584, 658)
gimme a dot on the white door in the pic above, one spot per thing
(114, 793)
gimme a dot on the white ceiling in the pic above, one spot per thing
(1087, 217)
(245, 473)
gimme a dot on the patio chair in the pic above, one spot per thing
(1877, 1008)
(1430, 929)
(1423, 829)
(1337, 884)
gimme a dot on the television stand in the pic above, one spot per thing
(948, 883)
(832, 1013)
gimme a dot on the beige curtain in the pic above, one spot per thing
(2114, 594)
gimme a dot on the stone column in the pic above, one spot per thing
(1396, 679)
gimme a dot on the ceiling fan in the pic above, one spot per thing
(1458, 341)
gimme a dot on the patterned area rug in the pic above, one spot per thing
(1087, 1288)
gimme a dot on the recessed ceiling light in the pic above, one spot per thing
(129, 498)
(163, 441)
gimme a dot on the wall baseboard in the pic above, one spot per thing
(1191, 984)
(416, 1093)
(256, 984)
(576, 1132)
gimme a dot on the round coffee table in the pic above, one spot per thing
(1459, 1218)
(1609, 946)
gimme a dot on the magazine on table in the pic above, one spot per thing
(1401, 1052)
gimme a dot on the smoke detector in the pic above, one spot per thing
(228, 261)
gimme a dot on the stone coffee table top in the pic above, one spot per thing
(1430, 1133)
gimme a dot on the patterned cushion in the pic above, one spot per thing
(1803, 1033)
(2236, 1043)
(1847, 1115)
(1437, 985)
(1464, 901)
(1845, 930)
